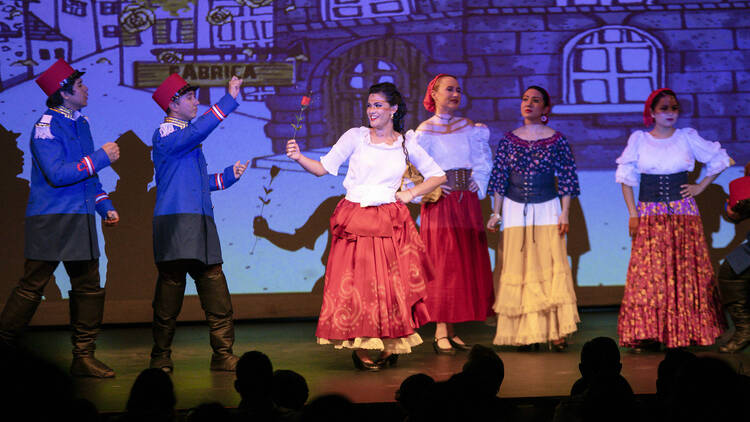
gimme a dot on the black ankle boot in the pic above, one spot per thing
(86, 311)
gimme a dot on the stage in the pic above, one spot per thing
(290, 344)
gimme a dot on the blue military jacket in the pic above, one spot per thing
(65, 190)
(184, 225)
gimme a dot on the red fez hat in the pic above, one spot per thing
(57, 76)
(171, 89)
(739, 190)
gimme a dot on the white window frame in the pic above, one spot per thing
(570, 103)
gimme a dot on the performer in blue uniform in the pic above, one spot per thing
(734, 272)
(60, 223)
(185, 236)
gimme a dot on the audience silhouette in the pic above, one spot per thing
(152, 398)
(689, 388)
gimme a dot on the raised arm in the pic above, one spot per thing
(182, 141)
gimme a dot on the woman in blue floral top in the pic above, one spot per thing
(533, 179)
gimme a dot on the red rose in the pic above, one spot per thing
(305, 101)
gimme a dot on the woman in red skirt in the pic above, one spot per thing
(452, 227)
(377, 271)
(670, 292)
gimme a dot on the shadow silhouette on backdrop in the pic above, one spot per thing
(578, 236)
(309, 232)
(711, 207)
(15, 195)
(131, 272)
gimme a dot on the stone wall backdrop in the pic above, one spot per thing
(598, 60)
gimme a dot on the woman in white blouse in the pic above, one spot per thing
(453, 227)
(377, 270)
(670, 292)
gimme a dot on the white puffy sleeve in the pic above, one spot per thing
(481, 157)
(627, 163)
(341, 150)
(423, 139)
(419, 157)
(710, 153)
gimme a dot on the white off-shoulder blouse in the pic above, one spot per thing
(462, 144)
(376, 170)
(645, 154)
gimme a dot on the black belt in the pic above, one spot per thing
(531, 189)
(662, 187)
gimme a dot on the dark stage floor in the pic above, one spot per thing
(291, 345)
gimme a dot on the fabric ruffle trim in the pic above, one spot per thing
(564, 317)
(399, 346)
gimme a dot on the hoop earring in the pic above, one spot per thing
(544, 118)
(392, 114)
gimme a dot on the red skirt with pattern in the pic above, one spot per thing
(453, 233)
(376, 277)
(671, 294)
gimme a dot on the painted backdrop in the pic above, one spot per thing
(599, 59)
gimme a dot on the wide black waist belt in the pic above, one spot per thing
(661, 187)
(531, 189)
(458, 179)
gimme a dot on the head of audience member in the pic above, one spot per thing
(674, 359)
(254, 377)
(412, 392)
(289, 389)
(209, 412)
(708, 388)
(152, 397)
(33, 387)
(328, 408)
(609, 397)
(486, 368)
(84, 410)
(600, 356)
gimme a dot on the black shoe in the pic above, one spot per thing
(163, 362)
(559, 347)
(390, 360)
(459, 346)
(440, 351)
(645, 346)
(362, 365)
(533, 347)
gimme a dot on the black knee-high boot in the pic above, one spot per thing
(86, 312)
(216, 303)
(735, 295)
(16, 315)
(167, 305)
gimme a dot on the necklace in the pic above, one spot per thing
(443, 118)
